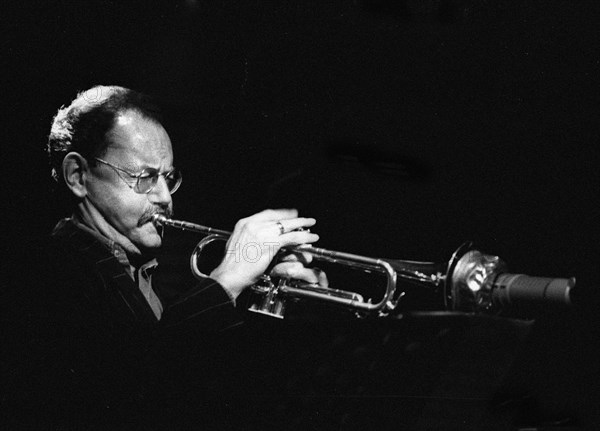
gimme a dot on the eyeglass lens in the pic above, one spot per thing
(149, 177)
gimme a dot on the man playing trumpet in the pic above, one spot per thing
(98, 305)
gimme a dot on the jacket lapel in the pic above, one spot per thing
(118, 285)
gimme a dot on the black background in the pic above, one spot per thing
(404, 127)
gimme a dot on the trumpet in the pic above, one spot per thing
(470, 281)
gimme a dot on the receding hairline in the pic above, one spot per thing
(127, 118)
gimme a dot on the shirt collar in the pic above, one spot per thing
(115, 249)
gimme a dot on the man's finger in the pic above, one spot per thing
(275, 215)
(297, 271)
(294, 270)
(296, 223)
(296, 256)
(322, 277)
(297, 238)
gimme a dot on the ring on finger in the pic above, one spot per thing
(281, 228)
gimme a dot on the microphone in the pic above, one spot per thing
(479, 283)
(509, 289)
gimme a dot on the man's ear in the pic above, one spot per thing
(75, 171)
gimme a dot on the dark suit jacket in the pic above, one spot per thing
(82, 347)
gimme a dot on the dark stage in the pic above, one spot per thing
(405, 128)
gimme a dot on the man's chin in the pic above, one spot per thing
(153, 245)
(150, 241)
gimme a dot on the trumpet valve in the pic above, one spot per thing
(265, 298)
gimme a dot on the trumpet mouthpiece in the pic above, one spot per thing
(158, 219)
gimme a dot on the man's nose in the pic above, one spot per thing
(160, 194)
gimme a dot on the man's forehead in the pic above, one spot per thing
(141, 138)
(125, 118)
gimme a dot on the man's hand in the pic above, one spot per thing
(254, 243)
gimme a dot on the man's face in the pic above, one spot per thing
(136, 143)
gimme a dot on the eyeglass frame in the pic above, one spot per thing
(137, 177)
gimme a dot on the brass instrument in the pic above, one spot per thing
(470, 281)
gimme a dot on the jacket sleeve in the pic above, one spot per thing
(202, 305)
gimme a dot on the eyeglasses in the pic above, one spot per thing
(146, 180)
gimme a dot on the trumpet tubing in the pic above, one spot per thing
(470, 281)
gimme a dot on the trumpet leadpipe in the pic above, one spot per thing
(161, 220)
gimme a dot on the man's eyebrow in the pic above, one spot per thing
(147, 166)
